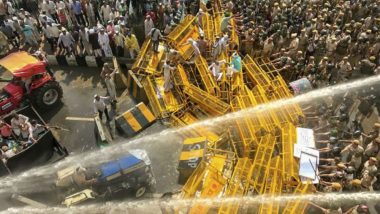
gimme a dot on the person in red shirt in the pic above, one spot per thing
(152, 15)
(5, 130)
(62, 17)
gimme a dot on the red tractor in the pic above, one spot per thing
(30, 80)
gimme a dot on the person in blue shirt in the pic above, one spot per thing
(29, 35)
(235, 66)
(77, 9)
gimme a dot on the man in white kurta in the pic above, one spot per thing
(194, 45)
(148, 25)
(167, 77)
(215, 69)
(105, 43)
(110, 84)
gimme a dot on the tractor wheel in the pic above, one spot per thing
(140, 192)
(48, 95)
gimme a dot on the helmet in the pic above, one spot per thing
(343, 108)
(336, 186)
(343, 117)
(350, 169)
(333, 140)
(357, 133)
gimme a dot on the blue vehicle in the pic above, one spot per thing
(129, 175)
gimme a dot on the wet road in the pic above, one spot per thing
(79, 85)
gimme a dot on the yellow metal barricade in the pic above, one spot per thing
(147, 61)
(181, 33)
(266, 65)
(180, 77)
(170, 101)
(213, 183)
(298, 206)
(246, 128)
(158, 107)
(257, 76)
(184, 118)
(257, 147)
(161, 102)
(192, 184)
(289, 164)
(273, 187)
(217, 24)
(208, 81)
(234, 36)
(259, 170)
(235, 186)
(208, 27)
(209, 103)
(142, 56)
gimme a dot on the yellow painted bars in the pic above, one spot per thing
(181, 33)
(235, 187)
(207, 79)
(209, 103)
(258, 172)
(273, 187)
(298, 206)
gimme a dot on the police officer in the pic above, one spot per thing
(367, 66)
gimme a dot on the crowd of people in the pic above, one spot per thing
(18, 135)
(349, 155)
(85, 27)
(326, 42)
(323, 41)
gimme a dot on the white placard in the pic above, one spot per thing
(308, 165)
(315, 181)
(305, 137)
(297, 150)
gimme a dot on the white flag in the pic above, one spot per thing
(131, 11)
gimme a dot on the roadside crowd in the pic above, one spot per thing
(86, 27)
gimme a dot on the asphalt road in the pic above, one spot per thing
(79, 85)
